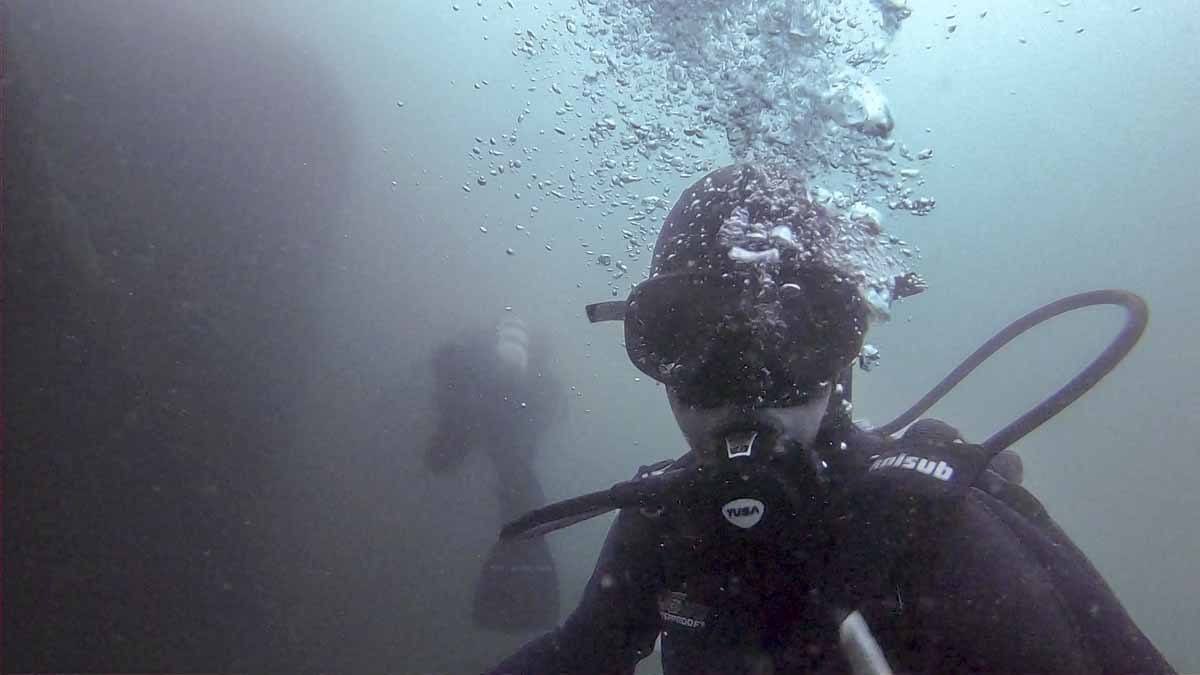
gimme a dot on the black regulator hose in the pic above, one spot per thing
(648, 489)
(1137, 315)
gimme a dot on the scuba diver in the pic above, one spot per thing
(495, 392)
(788, 539)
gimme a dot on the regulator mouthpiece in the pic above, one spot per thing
(740, 444)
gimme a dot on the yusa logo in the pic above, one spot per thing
(744, 513)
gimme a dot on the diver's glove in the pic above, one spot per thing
(901, 496)
(930, 461)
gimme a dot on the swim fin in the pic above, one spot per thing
(517, 590)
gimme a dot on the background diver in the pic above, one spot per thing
(788, 539)
(495, 392)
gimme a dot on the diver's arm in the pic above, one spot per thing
(977, 577)
(616, 622)
(1012, 593)
(1106, 635)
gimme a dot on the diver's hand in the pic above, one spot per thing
(931, 460)
(936, 433)
(905, 494)
(915, 483)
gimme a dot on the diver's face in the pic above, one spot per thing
(704, 428)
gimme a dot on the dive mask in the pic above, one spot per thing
(743, 339)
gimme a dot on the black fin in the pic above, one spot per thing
(517, 591)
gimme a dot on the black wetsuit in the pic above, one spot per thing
(982, 581)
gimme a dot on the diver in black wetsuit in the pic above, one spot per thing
(789, 540)
(496, 393)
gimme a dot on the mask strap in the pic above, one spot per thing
(613, 310)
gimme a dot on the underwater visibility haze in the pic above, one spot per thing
(294, 293)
